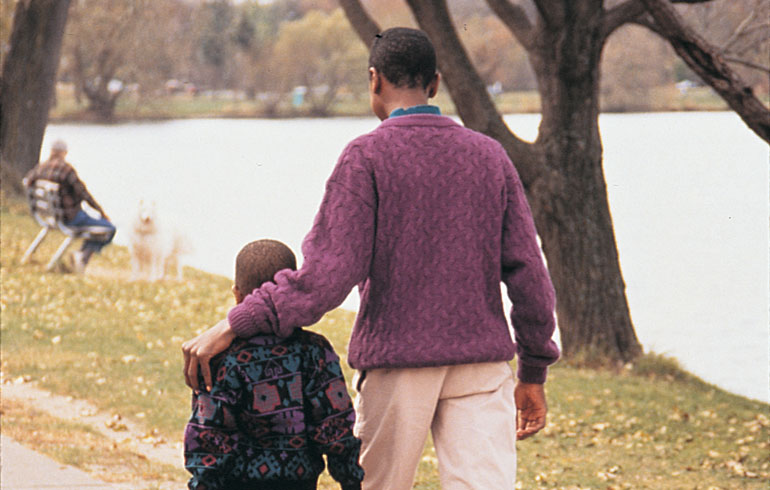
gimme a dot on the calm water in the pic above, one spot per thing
(688, 192)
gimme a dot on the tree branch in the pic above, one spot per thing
(740, 29)
(631, 11)
(749, 64)
(364, 25)
(703, 59)
(746, 39)
(515, 19)
(628, 11)
(474, 105)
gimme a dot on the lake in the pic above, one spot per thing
(688, 194)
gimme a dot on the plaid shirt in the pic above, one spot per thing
(72, 190)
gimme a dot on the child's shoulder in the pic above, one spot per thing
(252, 344)
(316, 346)
(300, 341)
(312, 339)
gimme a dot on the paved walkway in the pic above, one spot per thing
(24, 469)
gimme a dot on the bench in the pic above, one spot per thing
(46, 207)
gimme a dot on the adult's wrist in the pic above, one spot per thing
(531, 374)
(226, 330)
(239, 322)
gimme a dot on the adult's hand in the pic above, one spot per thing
(531, 409)
(199, 351)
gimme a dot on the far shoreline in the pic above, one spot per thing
(134, 108)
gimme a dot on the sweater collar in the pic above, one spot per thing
(418, 109)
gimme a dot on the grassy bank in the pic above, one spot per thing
(132, 106)
(116, 343)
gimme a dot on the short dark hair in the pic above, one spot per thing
(258, 262)
(405, 56)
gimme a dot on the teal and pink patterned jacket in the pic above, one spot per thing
(276, 406)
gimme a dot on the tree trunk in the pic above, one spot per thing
(101, 102)
(28, 80)
(95, 86)
(572, 213)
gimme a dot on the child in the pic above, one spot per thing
(276, 404)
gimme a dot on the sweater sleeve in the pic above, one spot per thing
(211, 437)
(331, 416)
(529, 285)
(337, 254)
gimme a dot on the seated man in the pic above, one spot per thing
(73, 193)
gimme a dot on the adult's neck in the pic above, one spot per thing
(404, 99)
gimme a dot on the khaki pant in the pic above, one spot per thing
(469, 409)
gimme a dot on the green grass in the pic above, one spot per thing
(117, 344)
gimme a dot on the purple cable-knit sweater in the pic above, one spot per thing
(427, 218)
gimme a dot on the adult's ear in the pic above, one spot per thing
(433, 86)
(375, 80)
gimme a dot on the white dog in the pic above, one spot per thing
(154, 247)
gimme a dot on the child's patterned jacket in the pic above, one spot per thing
(276, 406)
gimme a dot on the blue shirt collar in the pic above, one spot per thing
(418, 109)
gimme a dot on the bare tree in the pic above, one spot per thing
(562, 170)
(28, 80)
(110, 46)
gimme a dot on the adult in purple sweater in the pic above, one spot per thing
(427, 218)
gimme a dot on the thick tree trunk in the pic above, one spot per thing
(572, 214)
(28, 80)
(101, 102)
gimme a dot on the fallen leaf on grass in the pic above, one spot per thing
(116, 423)
(740, 470)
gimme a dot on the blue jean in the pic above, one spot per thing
(83, 220)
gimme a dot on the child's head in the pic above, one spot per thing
(257, 263)
(405, 56)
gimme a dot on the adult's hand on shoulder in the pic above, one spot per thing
(531, 409)
(199, 351)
